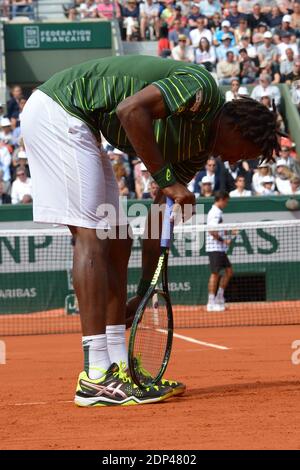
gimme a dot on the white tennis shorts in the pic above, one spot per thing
(72, 183)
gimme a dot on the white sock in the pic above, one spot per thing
(220, 293)
(211, 299)
(96, 358)
(116, 344)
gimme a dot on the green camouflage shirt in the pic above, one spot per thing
(92, 91)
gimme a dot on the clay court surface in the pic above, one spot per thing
(243, 397)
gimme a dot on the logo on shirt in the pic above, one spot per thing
(198, 100)
(168, 175)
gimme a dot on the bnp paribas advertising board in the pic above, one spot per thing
(35, 269)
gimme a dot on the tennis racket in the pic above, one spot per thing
(151, 335)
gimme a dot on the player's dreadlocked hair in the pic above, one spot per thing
(256, 123)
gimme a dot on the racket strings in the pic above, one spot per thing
(151, 338)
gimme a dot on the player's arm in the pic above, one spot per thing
(136, 115)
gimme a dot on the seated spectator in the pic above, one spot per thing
(264, 88)
(205, 55)
(21, 187)
(154, 188)
(200, 32)
(6, 135)
(226, 47)
(182, 51)
(270, 68)
(294, 186)
(4, 198)
(246, 44)
(268, 186)
(274, 18)
(294, 75)
(267, 101)
(88, 9)
(285, 156)
(168, 14)
(13, 108)
(186, 7)
(143, 183)
(107, 9)
(163, 45)
(232, 94)
(123, 188)
(215, 23)
(19, 159)
(248, 69)
(283, 176)
(295, 23)
(22, 8)
(287, 65)
(5, 161)
(268, 51)
(130, 14)
(285, 26)
(240, 190)
(256, 17)
(242, 30)
(295, 93)
(176, 31)
(246, 6)
(149, 17)
(210, 170)
(206, 189)
(194, 15)
(234, 15)
(228, 69)
(262, 170)
(233, 170)
(224, 31)
(209, 7)
(286, 44)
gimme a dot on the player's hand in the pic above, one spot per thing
(183, 198)
(131, 308)
(227, 242)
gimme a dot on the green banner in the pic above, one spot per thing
(47, 36)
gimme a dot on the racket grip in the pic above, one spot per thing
(168, 225)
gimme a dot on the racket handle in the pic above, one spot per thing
(168, 225)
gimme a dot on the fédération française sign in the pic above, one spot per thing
(43, 36)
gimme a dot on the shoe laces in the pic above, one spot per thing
(145, 373)
(140, 367)
(122, 374)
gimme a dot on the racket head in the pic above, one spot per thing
(151, 336)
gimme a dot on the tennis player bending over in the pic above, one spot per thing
(173, 116)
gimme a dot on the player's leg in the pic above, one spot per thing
(224, 281)
(68, 188)
(213, 280)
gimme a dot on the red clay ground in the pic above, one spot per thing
(244, 398)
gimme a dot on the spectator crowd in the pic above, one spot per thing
(241, 43)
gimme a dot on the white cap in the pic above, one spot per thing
(21, 154)
(226, 23)
(206, 180)
(268, 34)
(281, 162)
(286, 19)
(5, 122)
(143, 167)
(267, 179)
(117, 152)
(243, 91)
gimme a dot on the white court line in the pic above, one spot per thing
(196, 341)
